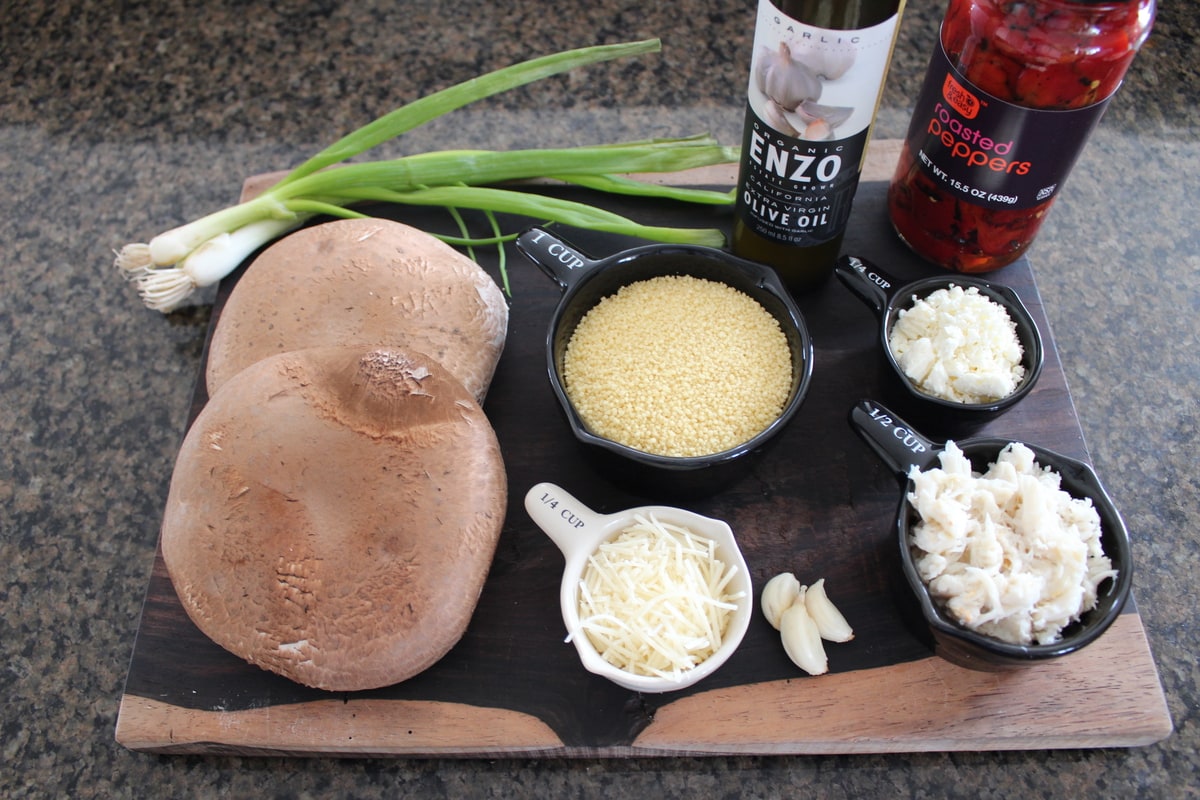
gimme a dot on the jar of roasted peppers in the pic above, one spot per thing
(1010, 98)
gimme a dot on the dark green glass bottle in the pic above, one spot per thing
(816, 76)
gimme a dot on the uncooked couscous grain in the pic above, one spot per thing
(678, 366)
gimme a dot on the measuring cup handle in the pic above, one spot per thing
(555, 257)
(891, 438)
(562, 517)
(871, 284)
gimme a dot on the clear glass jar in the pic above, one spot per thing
(1009, 101)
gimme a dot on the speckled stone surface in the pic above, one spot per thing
(118, 120)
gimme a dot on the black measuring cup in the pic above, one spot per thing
(586, 281)
(887, 297)
(902, 449)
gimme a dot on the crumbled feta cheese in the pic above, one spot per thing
(959, 345)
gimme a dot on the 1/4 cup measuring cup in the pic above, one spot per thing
(578, 531)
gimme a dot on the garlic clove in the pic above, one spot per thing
(802, 640)
(827, 64)
(833, 115)
(778, 595)
(829, 621)
(789, 83)
(817, 131)
(777, 118)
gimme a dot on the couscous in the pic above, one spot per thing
(678, 366)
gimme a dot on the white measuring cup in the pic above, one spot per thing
(578, 531)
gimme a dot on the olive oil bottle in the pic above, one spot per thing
(816, 77)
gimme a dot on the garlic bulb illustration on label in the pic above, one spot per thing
(811, 100)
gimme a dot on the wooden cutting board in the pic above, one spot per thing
(818, 504)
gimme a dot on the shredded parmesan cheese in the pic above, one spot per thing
(959, 345)
(655, 599)
(1007, 553)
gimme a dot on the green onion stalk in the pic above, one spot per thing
(174, 264)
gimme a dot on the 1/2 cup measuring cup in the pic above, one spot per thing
(902, 449)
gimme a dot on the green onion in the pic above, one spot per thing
(418, 112)
(172, 265)
(549, 209)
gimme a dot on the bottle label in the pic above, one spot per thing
(811, 101)
(989, 152)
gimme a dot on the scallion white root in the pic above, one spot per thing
(174, 264)
(166, 288)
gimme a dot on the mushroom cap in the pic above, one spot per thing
(366, 281)
(333, 514)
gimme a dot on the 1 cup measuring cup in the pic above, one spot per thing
(586, 281)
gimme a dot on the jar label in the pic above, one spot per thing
(811, 101)
(989, 152)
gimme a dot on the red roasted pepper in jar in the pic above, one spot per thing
(1011, 96)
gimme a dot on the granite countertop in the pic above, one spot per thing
(121, 119)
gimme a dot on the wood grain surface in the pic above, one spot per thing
(818, 504)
